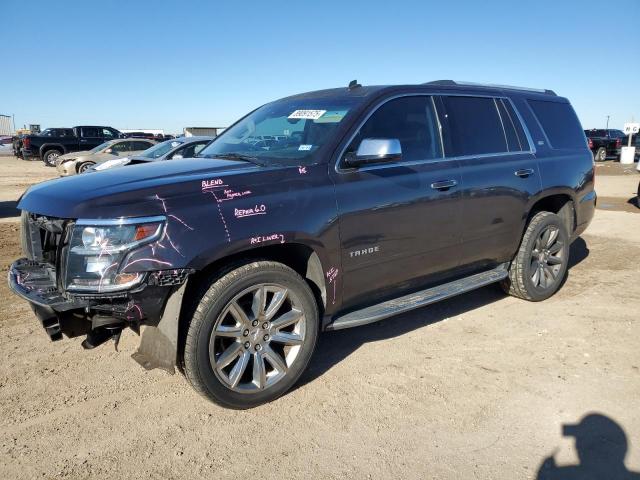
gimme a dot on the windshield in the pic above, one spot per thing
(285, 132)
(160, 149)
(102, 146)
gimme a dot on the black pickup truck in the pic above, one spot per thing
(605, 143)
(53, 142)
(370, 201)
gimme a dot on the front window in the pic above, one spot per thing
(285, 132)
(160, 149)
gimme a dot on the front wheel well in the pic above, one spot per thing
(560, 204)
(301, 258)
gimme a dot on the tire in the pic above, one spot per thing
(49, 157)
(83, 167)
(527, 278)
(229, 353)
(600, 155)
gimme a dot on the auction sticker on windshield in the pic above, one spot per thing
(331, 116)
(307, 114)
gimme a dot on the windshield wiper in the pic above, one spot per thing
(236, 156)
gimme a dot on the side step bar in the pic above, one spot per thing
(419, 299)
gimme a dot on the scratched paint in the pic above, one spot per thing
(273, 237)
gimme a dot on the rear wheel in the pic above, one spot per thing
(540, 265)
(50, 156)
(600, 155)
(251, 336)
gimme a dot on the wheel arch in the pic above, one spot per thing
(51, 146)
(301, 257)
(561, 203)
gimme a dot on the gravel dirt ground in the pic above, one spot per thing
(478, 386)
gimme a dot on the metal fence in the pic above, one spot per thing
(6, 125)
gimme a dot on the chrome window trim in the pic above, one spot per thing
(98, 222)
(445, 158)
(535, 117)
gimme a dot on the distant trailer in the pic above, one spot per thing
(202, 131)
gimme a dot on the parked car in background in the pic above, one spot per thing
(183, 147)
(147, 135)
(388, 199)
(53, 142)
(78, 162)
(605, 143)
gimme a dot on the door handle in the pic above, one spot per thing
(524, 172)
(443, 185)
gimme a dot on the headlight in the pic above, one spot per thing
(98, 247)
(112, 163)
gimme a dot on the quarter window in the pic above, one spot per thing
(560, 123)
(411, 120)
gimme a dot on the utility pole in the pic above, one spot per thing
(607, 122)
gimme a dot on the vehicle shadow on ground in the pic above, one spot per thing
(333, 347)
(601, 445)
(8, 209)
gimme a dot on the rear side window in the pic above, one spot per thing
(560, 123)
(474, 126)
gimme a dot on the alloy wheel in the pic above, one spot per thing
(257, 338)
(547, 257)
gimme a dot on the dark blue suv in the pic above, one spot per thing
(321, 211)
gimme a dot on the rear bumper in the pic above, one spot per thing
(584, 212)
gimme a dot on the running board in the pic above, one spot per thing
(419, 299)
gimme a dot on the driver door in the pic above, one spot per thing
(399, 221)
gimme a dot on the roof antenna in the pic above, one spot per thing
(354, 84)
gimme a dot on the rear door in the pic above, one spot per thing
(499, 174)
(90, 137)
(399, 222)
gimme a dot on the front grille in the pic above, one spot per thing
(42, 237)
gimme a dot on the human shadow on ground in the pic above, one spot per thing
(333, 347)
(601, 444)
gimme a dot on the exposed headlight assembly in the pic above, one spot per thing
(98, 248)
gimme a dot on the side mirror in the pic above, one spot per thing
(177, 157)
(109, 150)
(375, 150)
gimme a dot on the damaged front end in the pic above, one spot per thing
(94, 278)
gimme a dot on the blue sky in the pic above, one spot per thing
(157, 64)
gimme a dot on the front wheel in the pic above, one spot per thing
(85, 166)
(252, 335)
(540, 265)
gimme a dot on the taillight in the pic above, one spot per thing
(590, 142)
(26, 142)
(618, 142)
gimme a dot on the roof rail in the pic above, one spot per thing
(449, 83)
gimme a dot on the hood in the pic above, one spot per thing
(125, 192)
